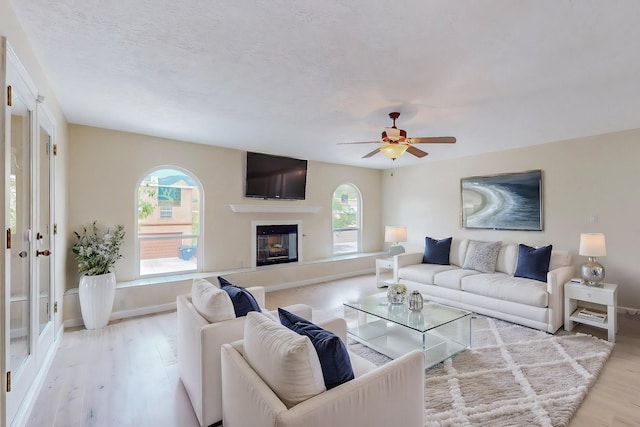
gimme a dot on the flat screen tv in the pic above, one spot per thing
(275, 177)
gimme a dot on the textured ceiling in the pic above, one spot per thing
(297, 77)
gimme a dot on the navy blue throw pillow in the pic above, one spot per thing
(436, 251)
(533, 263)
(333, 355)
(243, 301)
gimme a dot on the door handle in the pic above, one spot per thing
(46, 252)
(23, 254)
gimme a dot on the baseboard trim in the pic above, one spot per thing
(123, 314)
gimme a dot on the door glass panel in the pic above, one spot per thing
(20, 211)
(44, 233)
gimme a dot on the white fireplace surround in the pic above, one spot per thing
(254, 227)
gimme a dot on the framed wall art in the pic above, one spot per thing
(508, 201)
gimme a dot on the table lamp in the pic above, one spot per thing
(394, 235)
(592, 245)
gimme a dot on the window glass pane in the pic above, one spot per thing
(168, 254)
(346, 219)
(168, 222)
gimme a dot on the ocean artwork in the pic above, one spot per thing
(510, 201)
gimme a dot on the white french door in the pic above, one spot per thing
(28, 330)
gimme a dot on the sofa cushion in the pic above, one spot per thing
(422, 273)
(211, 302)
(458, 252)
(436, 251)
(452, 278)
(333, 355)
(243, 301)
(507, 288)
(286, 361)
(482, 256)
(533, 263)
(507, 258)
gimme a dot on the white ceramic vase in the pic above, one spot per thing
(96, 299)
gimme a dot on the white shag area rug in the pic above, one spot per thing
(512, 376)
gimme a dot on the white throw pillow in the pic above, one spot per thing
(286, 361)
(482, 256)
(211, 302)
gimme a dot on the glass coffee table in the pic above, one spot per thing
(394, 330)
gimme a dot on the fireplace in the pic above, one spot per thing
(276, 244)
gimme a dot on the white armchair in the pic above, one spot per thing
(392, 394)
(198, 351)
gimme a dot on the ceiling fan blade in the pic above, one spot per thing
(416, 152)
(433, 140)
(371, 154)
(363, 142)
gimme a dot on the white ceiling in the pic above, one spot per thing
(297, 77)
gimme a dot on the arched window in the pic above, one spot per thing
(169, 202)
(346, 219)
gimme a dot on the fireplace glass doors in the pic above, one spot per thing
(276, 244)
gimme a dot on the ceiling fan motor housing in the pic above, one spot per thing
(394, 134)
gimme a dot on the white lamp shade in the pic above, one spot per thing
(592, 245)
(395, 234)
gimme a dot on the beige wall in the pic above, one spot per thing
(11, 29)
(105, 168)
(582, 177)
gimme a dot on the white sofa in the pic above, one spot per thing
(519, 300)
(198, 350)
(392, 394)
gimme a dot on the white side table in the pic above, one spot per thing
(606, 295)
(384, 272)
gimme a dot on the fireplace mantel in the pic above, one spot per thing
(274, 209)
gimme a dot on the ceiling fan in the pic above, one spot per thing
(395, 142)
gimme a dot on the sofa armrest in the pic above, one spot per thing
(258, 294)
(392, 394)
(189, 353)
(407, 258)
(331, 323)
(388, 395)
(302, 310)
(323, 319)
(555, 287)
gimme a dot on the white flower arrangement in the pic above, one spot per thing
(97, 252)
(396, 293)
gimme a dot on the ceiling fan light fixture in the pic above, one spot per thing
(393, 151)
(394, 134)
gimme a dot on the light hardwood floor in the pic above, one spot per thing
(126, 373)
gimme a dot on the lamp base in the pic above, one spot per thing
(592, 273)
(396, 250)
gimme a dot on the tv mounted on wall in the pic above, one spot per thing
(510, 201)
(275, 177)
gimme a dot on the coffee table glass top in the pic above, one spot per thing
(438, 331)
(431, 316)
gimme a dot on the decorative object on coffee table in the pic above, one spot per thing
(396, 293)
(592, 245)
(415, 301)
